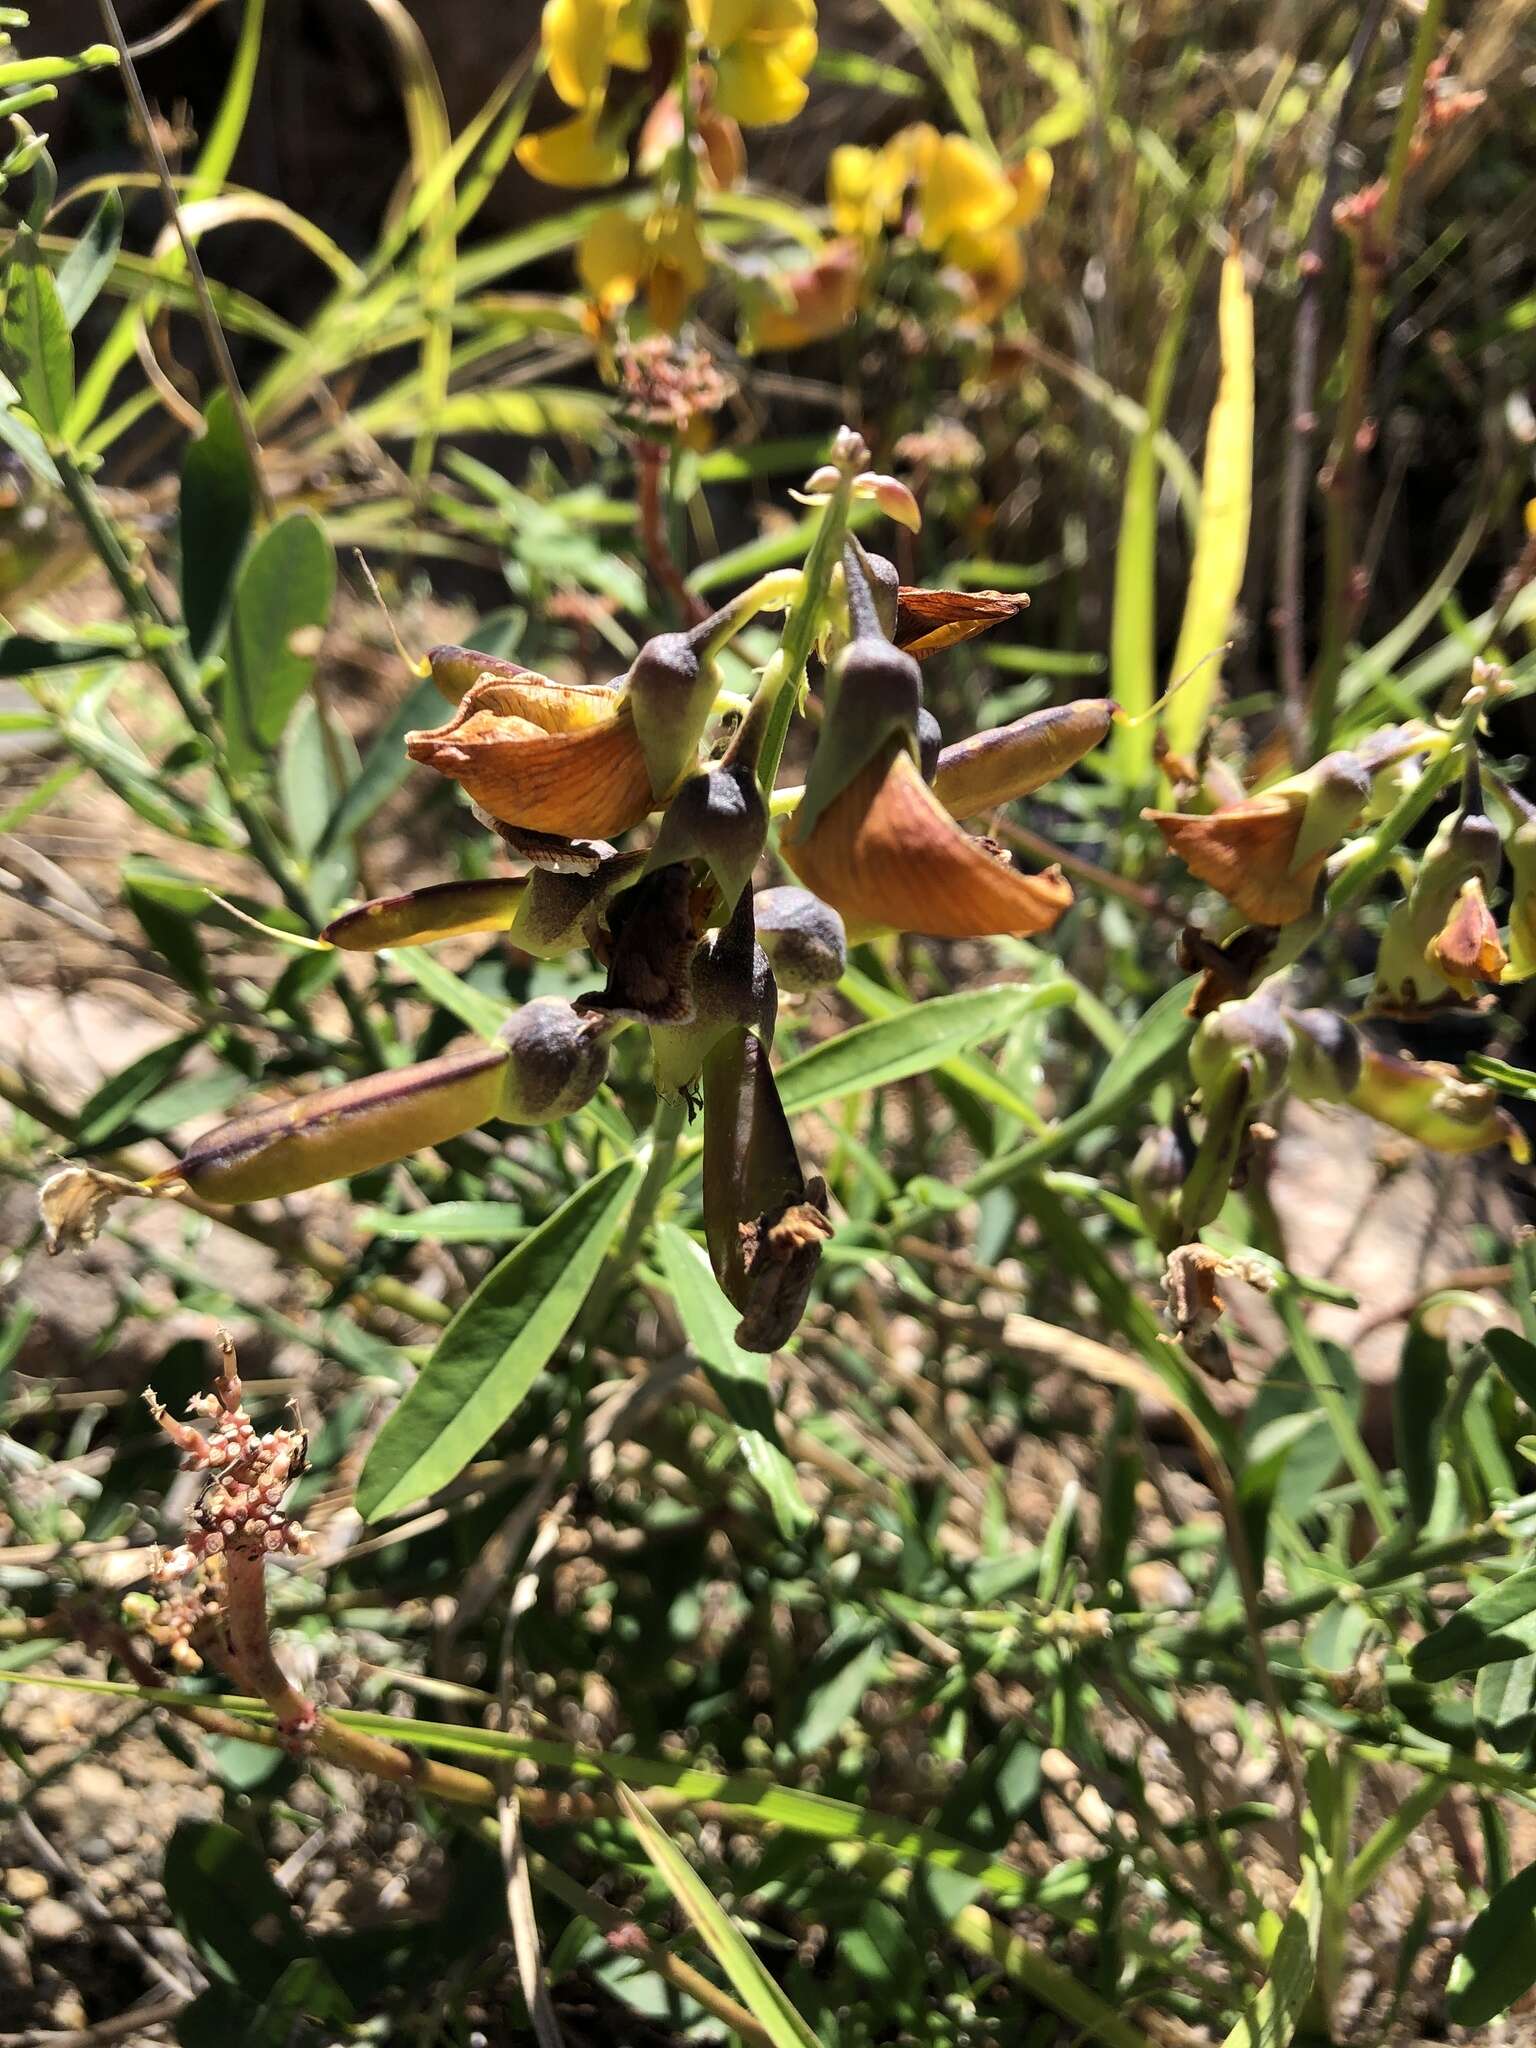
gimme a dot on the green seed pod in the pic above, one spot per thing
(441, 910)
(346, 1130)
(670, 692)
(1251, 1032)
(1156, 1179)
(804, 939)
(556, 1060)
(1326, 1055)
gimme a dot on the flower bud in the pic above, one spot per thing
(670, 692)
(1430, 1102)
(456, 669)
(1326, 1055)
(804, 939)
(721, 818)
(1250, 1033)
(556, 1060)
(884, 588)
(342, 1131)
(930, 744)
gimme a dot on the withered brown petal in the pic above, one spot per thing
(929, 621)
(1245, 852)
(654, 940)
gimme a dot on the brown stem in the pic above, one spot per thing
(650, 460)
(1289, 617)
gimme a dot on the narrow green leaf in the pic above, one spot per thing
(1515, 1357)
(482, 1013)
(89, 264)
(447, 1223)
(495, 1348)
(281, 605)
(22, 654)
(1497, 1963)
(115, 1101)
(218, 502)
(739, 1377)
(1494, 1627)
(921, 1036)
(384, 768)
(729, 1946)
(1271, 2022)
(1418, 1402)
(238, 1919)
(40, 357)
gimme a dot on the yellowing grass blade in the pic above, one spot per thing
(1226, 500)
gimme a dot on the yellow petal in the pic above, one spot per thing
(962, 191)
(1031, 182)
(574, 34)
(888, 857)
(763, 85)
(612, 258)
(574, 153)
(851, 174)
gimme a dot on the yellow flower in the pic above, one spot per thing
(992, 267)
(762, 50)
(864, 188)
(583, 40)
(619, 257)
(961, 191)
(1031, 181)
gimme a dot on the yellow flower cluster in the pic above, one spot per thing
(759, 52)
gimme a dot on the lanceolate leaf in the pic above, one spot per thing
(1493, 1628)
(282, 602)
(739, 1377)
(924, 1036)
(495, 1348)
(39, 355)
(1271, 2021)
(1497, 1963)
(89, 264)
(218, 500)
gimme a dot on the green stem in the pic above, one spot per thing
(801, 628)
(1308, 1355)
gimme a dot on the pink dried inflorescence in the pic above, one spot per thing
(216, 1597)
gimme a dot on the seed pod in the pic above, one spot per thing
(884, 581)
(1156, 1177)
(417, 917)
(993, 768)
(670, 692)
(930, 744)
(1249, 1034)
(804, 939)
(556, 1060)
(346, 1130)
(1430, 1102)
(1326, 1055)
(1442, 939)
(764, 1222)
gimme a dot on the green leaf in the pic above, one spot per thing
(89, 264)
(447, 1223)
(1515, 1356)
(1418, 1402)
(1504, 1703)
(21, 654)
(921, 1036)
(1494, 1627)
(116, 1099)
(238, 1919)
(218, 501)
(840, 1674)
(1271, 2021)
(281, 605)
(495, 1348)
(739, 1377)
(1497, 1963)
(40, 357)
(482, 1013)
(729, 1946)
(384, 768)
(165, 907)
